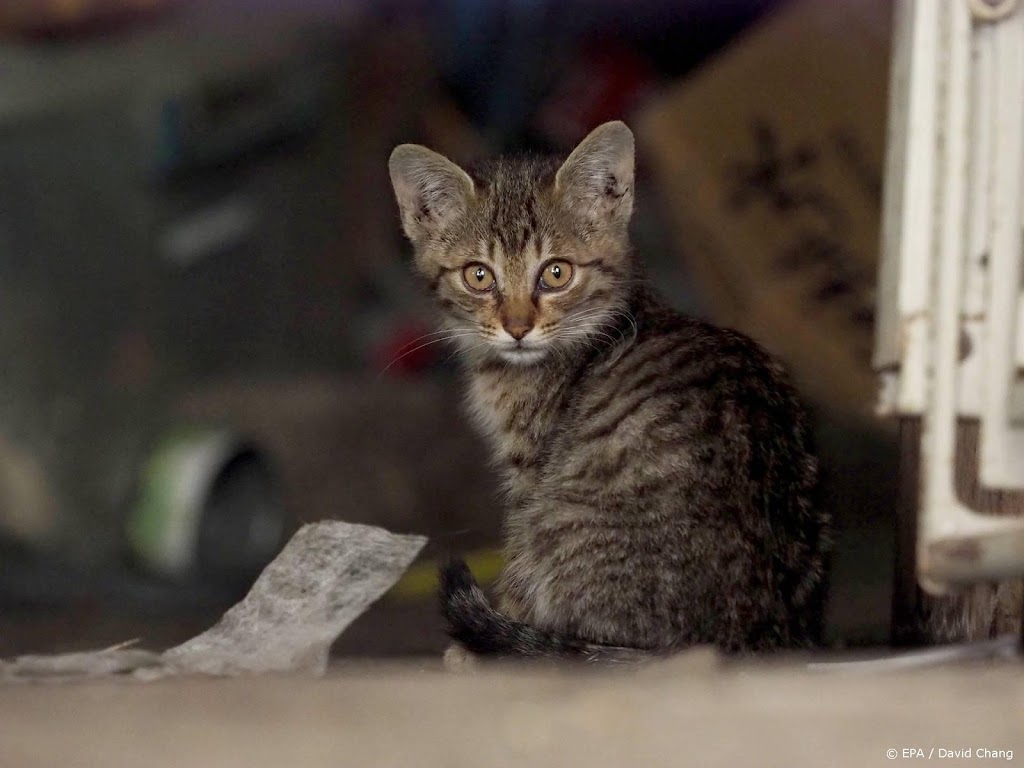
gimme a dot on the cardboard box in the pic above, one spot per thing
(769, 160)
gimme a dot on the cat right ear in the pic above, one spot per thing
(596, 180)
(431, 190)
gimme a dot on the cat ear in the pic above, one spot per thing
(597, 178)
(431, 190)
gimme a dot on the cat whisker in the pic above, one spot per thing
(425, 344)
(588, 329)
(428, 335)
(582, 335)
(586, 314)
(622, 335)
(616, 312)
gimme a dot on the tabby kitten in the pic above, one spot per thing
(657, 468)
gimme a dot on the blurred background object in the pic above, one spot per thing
(771, 158)
(198, 237)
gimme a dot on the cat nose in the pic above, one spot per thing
(518, 328)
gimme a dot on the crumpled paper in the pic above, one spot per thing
(85, 665)
(324, 578)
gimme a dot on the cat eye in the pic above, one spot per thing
(478, 277)
(555, 275)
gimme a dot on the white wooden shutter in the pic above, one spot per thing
(950, 333)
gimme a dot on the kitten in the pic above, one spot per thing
(657, 468)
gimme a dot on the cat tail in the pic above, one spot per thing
(484, 631)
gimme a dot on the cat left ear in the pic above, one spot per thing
(597, 178)
(431, 190)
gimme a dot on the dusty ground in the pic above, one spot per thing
(689, 711)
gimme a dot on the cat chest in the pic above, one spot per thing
(518, 424)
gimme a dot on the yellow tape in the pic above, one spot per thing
(420, 581)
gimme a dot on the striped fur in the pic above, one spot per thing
(657, 468)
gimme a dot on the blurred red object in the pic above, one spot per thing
(410, 349)
(605, 82)
(60, 19)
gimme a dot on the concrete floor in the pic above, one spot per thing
(688, 711)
